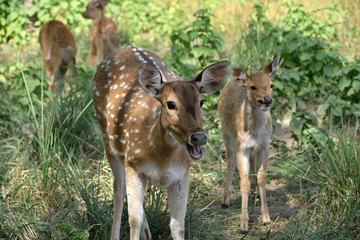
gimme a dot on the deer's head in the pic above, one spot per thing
(259, 86)
(95, 9)
(182, 102)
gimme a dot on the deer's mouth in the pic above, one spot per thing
(195, 151)
(264, 106)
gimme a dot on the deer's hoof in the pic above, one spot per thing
(224, 206)
(244, 232)
(267, 224)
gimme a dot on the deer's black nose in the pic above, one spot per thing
(268, 100)
(199, 139)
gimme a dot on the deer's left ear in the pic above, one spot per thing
(212, 77)
(272, 67)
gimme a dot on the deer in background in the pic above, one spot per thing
(151, 122)
(59, 50)
(104, 38)
(244, 106)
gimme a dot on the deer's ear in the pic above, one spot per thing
(150, 80)
(99, 3)
(272, 67)
(212, 77)
(239, 75)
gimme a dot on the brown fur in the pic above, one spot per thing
(104, 38)
(247, 127)
(59, 50)
(145, 138)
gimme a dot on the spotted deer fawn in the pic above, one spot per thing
(59, 50)
(244, 106)
(104, 37)
(151, 122)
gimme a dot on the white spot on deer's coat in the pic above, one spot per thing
(117, 96)
(97, 93)
(122, 67)
(137, 151)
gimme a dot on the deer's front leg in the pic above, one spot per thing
(262, 158)
(243, 158)
(135, 189)
(177, 198)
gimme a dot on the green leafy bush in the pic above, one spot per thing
(195, 44)
(343, 102)
(148, 22)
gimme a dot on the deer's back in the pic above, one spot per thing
(105, 30)
(124, 110)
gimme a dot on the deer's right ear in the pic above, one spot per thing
(239, 75)
(150, 80)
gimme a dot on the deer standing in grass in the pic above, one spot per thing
(244, 106)
(59, 50)
(151, 122)
(104, 38)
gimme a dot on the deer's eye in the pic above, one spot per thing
(202, 102)
(170, 105)
(253, 88)
(272, 85)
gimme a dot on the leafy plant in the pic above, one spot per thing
(343, 102)
(148, 21)
(195, 44)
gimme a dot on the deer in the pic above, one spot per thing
(244, 108)
(151, 123)
(58, 51)
(104, 38)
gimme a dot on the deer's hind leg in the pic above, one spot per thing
(231, 165)
(118, 170)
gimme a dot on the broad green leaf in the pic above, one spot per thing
(356, 86)
(328, 71)
(343, 84)
(322, 108)
(202, 50)
(305, 56)
(278, 85)
(291, 46)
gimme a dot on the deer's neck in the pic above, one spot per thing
(254, 116)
